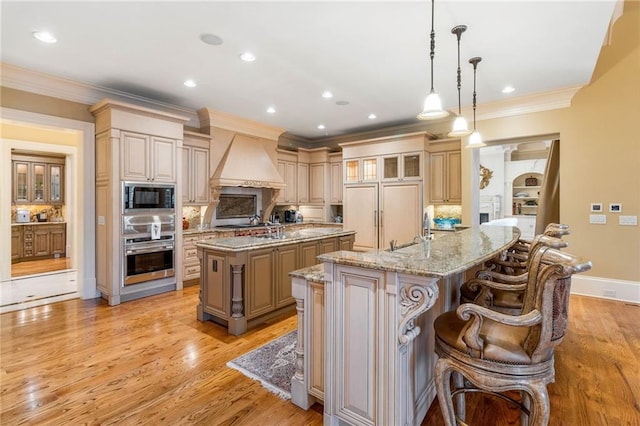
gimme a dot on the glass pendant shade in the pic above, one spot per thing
(460, 127)
(475, 140)
(432, 108)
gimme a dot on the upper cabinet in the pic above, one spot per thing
(445, 172)
(288, 169)
(195, 169)
(37, 179)
(147, 158)
(401, 167)
(335, 164)
(360, 170)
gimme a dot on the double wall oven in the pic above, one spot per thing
(148, 232)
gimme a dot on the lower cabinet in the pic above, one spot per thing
(190, 261)
(238, 287)
(32, 242)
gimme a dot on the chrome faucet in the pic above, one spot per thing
(426, 227)
(393, 244)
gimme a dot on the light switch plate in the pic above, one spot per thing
(628, 220)
(599, 219)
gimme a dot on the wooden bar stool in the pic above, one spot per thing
(492, 352)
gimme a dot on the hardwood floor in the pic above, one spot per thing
(149, 361)
(42, 266)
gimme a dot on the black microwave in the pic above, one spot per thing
(148, 197)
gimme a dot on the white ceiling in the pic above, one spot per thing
(375, 55)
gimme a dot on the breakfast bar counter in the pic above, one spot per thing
(377, 310)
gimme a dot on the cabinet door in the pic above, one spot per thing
(302, 183)
(41, 241)
(345, 243)
(58, 240)
(215, 273)
(27, 239)
(21, 182)
(163, 154)
(316, 183)
(308, 254)
(291, 175)
(326, 246)
(454, 177)
(134, 156)
(259, 297)
(361, 214)
(400, 212)
(390, 168)
(351, 171)
(56, 183)
(16, 243)
(187, 176)
(412, 166)
(200, 182)
(38, 183)
(336, 183)
(437, 183)
(287, 261)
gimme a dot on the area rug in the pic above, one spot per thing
(272, 364)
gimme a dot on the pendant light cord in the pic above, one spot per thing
(474, 61)
(433, 42)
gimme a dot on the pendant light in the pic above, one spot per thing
(475, 140)
(460, 126)
(433, 104)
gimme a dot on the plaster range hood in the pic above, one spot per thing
(246, 164)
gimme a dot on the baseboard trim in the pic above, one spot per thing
(606, 288)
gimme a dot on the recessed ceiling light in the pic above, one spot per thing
(271, 110)
(508, 89)
(211, 39)
(190, 83)
(44, 36)
(248, 57)
(327, 94)
(321, 126)
(372, 116)
(342, 103)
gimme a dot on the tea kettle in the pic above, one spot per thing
(254, 220)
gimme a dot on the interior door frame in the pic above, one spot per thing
(80, 179)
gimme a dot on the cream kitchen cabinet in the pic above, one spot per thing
(402, 167)
(195, 169)
(16, 243)
(317, 180)
(190, 261)
(446, 176)
(289, 172)
(312, 249)
(147, 158)
(302, 183)
(360, 170)
(336, 182)
(380, 213)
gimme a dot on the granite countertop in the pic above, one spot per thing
(235, 244)
(221, 229)
(446, 254)
(313, 273)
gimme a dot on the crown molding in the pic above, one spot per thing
(528, 104)
(27, 80)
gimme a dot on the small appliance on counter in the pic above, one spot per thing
(22, 216)
(290, 216)
(42, 216)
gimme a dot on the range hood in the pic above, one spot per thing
(246, 163)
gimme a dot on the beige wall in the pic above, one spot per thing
(47, 105)
(599, 153)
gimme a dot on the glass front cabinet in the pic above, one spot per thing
(38, 180)
(360, 170)
(402, 167)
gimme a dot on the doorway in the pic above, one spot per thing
(66, 276)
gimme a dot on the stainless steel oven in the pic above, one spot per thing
(146, 259)
(144, 197)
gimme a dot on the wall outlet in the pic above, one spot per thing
(607, 292)
(628, 220)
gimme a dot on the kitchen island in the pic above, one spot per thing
(245, 280)
(377, 310)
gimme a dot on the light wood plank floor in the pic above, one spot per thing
(41, 266)
(150, 361)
